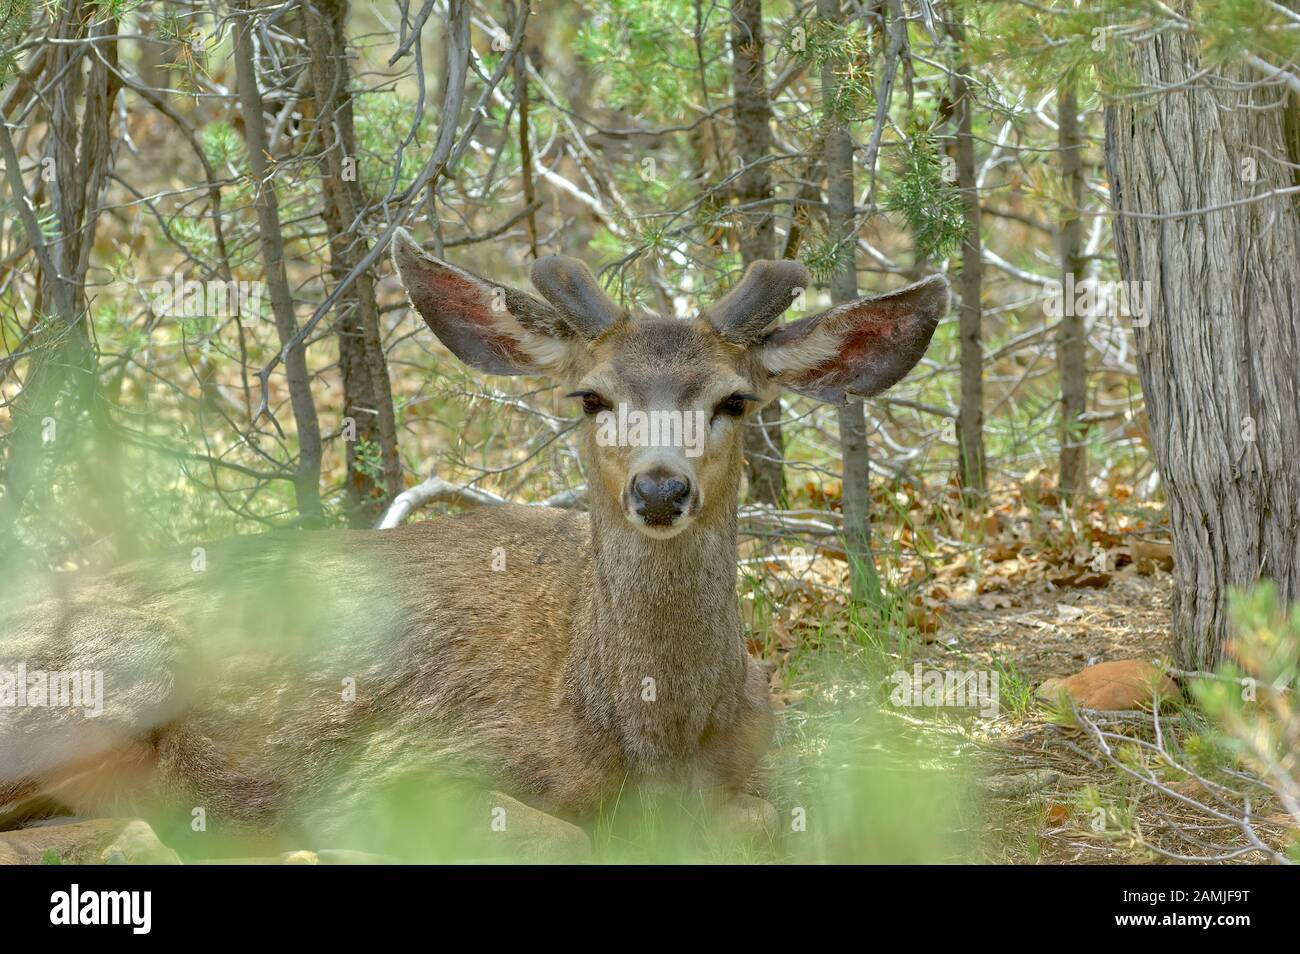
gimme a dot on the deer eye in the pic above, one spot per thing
(592, 403)
(734, 405)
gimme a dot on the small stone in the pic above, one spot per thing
(346, 856)
(1116, 685)
(138, 845)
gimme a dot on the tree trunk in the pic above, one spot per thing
(1218, 359)
(1071, 340)
(307, 473)
(62, 375)
(970, 416)
(764, 445)
(856, 497)
(367, 392)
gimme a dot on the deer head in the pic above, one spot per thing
(667, 400)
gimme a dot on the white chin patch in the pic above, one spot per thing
(658, 531)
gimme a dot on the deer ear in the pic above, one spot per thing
(490, 327)
(569, 285)
(859, 348)
(767, 289)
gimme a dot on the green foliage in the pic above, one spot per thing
(105, 10)
(1231, 29)
(15, 19)
(931, 206)
(1252, 704)
(369, 460)
(646, 54)
(223, 147)
(824, 255)
(193, 233)
(1254, 700)
(870, 789)
(1060, 38)
(382, 123)
(1015, 689)
(847, 50)
(1046, 46)
(189, 51)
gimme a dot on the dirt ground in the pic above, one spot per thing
(1052, 792)
(1051, 631)
(1053, 796)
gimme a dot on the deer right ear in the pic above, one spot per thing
(859, 348)
(490, 327)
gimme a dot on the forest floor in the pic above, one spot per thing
(1040, 785)
(1050, 632)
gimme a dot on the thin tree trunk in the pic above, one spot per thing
(764, 444)
(525, 142)
(307, 473)
(150, 67)
(62, 376)
(367, 392)
(970, 416)
(1219, 355)
(1071, 341)
(856, 497)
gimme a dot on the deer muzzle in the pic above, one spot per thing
(661, 499)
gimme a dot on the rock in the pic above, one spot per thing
(94, 841)
(1121, 684)
(527, 834)
(1050, 689)
(138, 845)
(346, 856)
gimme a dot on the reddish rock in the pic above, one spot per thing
(1122, 684)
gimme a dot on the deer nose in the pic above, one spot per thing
(660, 496)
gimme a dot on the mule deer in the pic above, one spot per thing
(517, 640)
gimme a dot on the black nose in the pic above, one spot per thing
(660, 497)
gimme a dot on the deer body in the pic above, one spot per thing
(534, 673)
(564, 654)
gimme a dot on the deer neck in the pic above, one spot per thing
(663, 647)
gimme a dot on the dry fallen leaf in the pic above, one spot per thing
(993, 601)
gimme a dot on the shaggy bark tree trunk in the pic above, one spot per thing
(764, 445)
(1219, 358)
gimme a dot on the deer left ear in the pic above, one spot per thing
(859, 348)
(491, 327)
